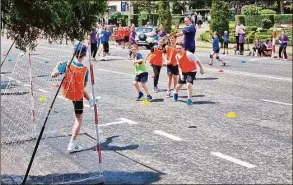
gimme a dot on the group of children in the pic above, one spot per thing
(179, 62)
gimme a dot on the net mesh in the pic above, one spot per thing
(27, 91)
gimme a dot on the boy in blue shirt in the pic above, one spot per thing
(216, 49)
(226, 41)
(105, 41)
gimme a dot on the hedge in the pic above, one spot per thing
(177, 20)
(241, 18)
(267, 11)
(250, 28)
(283, 18)
(252, 20)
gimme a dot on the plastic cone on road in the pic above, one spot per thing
(145, 102)
(153, 76)
(243, 61)
(9, 60)
(46, 62)
(231, 115)
(221, 71)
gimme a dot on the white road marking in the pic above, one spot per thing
(56, 49)
(170, 136)
(87, 105)
(42, 90)
(61, 97)
(234, 160)
(27, 85)
(115, 72)
(41, 58)
(120, 121)
(17, 81)
(253, 75)
(277, 102)
(256, 59)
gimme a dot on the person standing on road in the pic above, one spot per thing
(156, 62)
(187, 65)
(283, 40)
(199, 20)
(172, 67)
(216, 49)
(132, 39)
(226, 41)
(73, 88)
(189, 35)
(241, 36)
(93, 42)
(141, 74)
(105, 41)
(238, 27)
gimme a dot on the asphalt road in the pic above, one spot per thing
(160, 143)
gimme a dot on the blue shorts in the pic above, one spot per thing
(142, 78)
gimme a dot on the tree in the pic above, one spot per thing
(219, 17)
(69, 19)
(165, 17)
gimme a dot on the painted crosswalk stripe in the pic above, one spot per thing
(232, 159)
(170, 136)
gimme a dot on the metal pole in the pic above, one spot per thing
(99, 145)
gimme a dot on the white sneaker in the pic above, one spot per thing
(73, 147)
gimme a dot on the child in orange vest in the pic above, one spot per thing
(156, 62)
(187, 62)
(73, 88)
(172, 67)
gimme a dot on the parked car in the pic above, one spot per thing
(145, 36)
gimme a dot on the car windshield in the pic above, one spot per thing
(144, 30)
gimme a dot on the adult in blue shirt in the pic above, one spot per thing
(105, 41)
(189, 35)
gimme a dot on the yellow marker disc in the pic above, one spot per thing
(145, 102)
(43, 99)
(231, 115)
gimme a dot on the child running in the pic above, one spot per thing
(187, 70)
(140, 72)
(73, 88)
(156, 62)
(216, 49)
(172, 67)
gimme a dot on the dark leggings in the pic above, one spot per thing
(237, 42)
(94, 49)
(157, 70)
(284, 50)
(241, 48)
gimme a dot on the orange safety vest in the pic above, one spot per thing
(171, 55)
(186, 64)
(157, 57)
(74, 83)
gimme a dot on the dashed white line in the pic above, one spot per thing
(277, 102)
(232, 159)
(61, 97)
(170, 136)
(256, 59)
(40, 58)
(42, 90)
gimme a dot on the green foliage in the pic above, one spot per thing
(143, 18)
(241, 18)
(252, 20)
(251, 10)
(250, 28)
(206, 36)
(262, 36)
(164, 13)
(177, 20)
(267, 11)
(220, 17)
(266, 23)
(283, 19)
(56, 19)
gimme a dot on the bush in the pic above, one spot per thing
(252, 20)
(283, 19)
(266, 23)
(177, 20)
(206, 36)
(262, 36)
(250, 28)
(251, 10)
(241, 18)
(267, 11)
